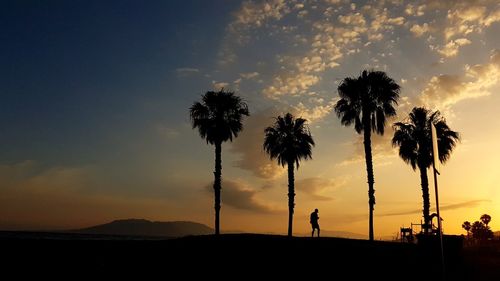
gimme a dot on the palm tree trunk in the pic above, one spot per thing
(291, 197)
(217, 183)
(424, 181)
(369, 171)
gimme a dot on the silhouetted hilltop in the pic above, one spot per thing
(342, 234)
(249, 257)
(141, 227)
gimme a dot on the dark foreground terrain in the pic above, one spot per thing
(236, 257)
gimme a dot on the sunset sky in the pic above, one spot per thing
(94, 122)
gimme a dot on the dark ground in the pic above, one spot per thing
(237, 257)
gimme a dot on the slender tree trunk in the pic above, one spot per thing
(291, 196)
(424, 182)
(369, 171)
(217, 184)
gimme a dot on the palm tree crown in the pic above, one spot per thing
(219, 116)
(367, 101)
(288, 140)
(413, 138)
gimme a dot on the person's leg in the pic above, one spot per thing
(318, 231)
(312, 233)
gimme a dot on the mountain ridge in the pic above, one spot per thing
(143, 227)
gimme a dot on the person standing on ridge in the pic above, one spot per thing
(314, 222)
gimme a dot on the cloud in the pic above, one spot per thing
(419, 30)
(239, 195)
(249, 75)
(381, 22)
(416, 11)
(249, 143)
(34, 197)
(290, 85)
(219, 85)
(166, 132)
(186, 71)
(443, 91)
(29, 176)
(461, 205)
(451, 48)
(249, 146)
(319, 188)
(316, 110)
(492, 17)
(465, 19)
(253, 14)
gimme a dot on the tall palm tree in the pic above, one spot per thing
(366, 102)
(486, 219)
(467, 226)
(413, 137)
(218, 118)
(289, 140)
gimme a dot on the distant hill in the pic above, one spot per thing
(141, 227)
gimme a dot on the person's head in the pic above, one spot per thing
(315, 210)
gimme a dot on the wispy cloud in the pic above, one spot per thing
(238, 194)
(249, 75)
(184, 71)
(461, 205)
(249, 146)
(319, 188)
(167, 132)
(219, 85)
(36, 197)
(382, 150)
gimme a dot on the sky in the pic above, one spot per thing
(95, 95)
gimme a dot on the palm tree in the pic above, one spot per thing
(415, 145)
(289, 140)
(481, 231)
(486, 219)
(467, 226)
(218, 118)
(366, 102)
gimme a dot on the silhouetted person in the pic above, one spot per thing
(314, 222)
